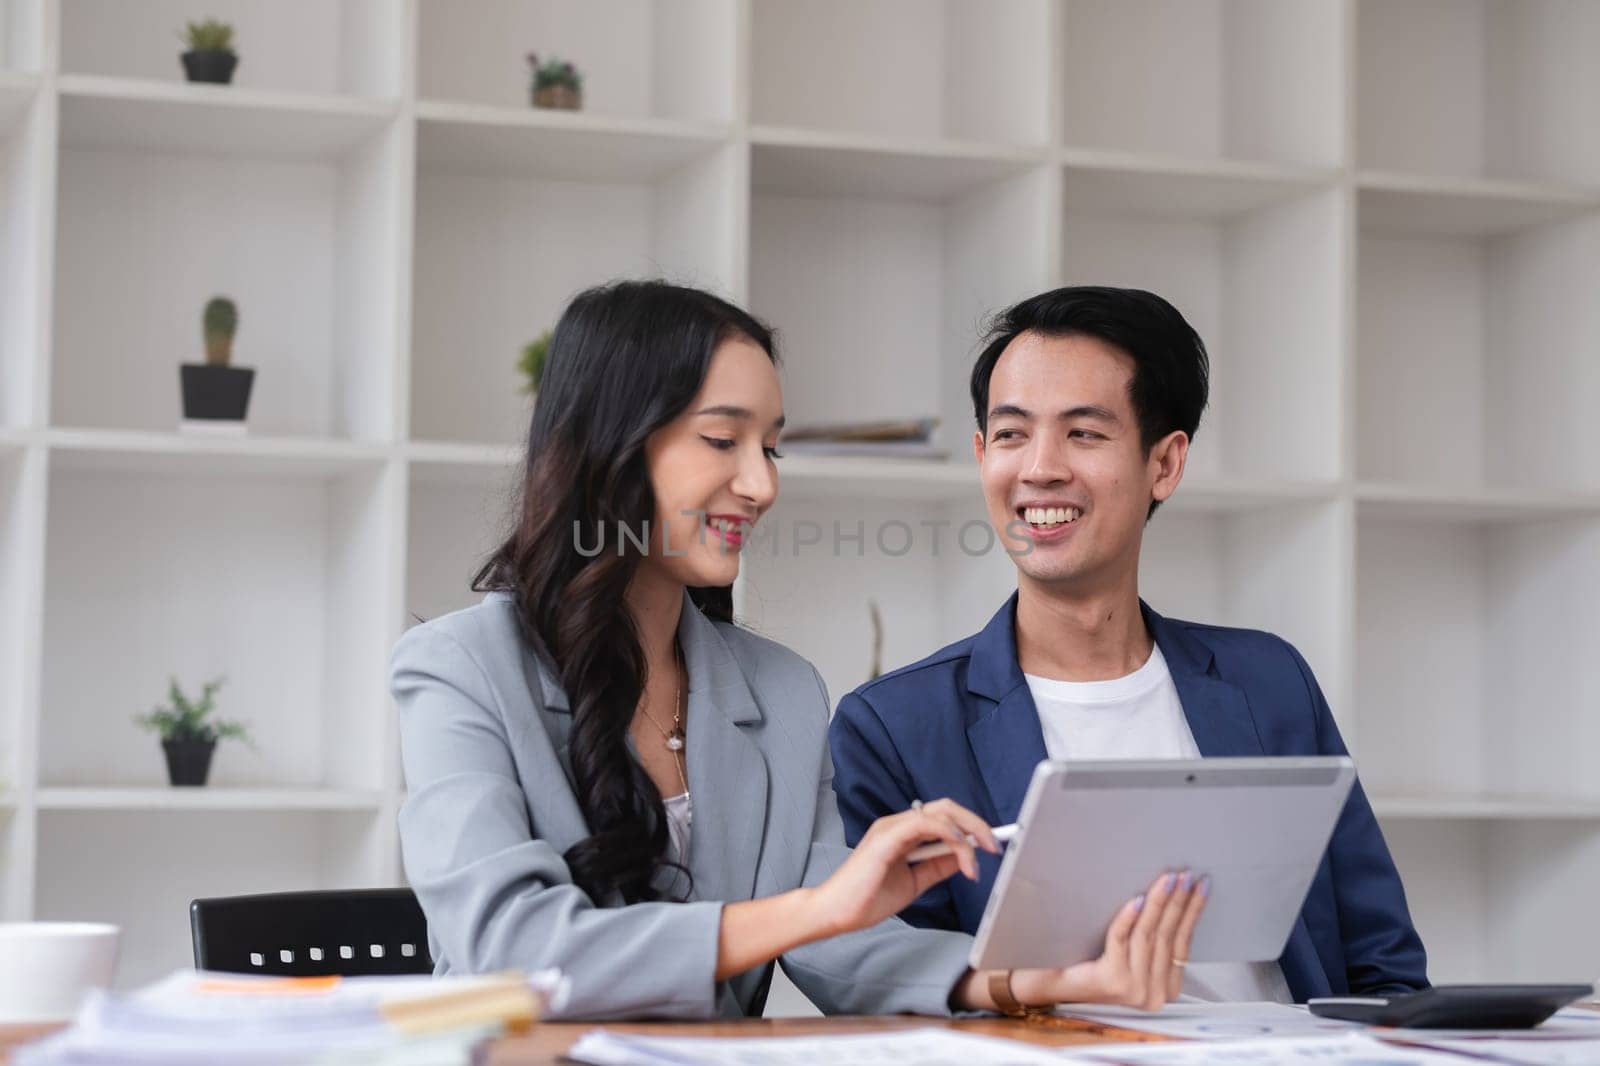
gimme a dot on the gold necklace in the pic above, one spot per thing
(675, 739)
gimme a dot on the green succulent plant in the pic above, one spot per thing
(534, 353)
(554, 71)
(209, 36)
(186, 719)
(221, 321)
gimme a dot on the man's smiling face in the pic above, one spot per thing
(1065, 474)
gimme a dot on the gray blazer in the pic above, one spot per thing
(491, 811)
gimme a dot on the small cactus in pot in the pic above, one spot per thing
(221, 322)
(211, 57)
(216, 394)
(556, 83)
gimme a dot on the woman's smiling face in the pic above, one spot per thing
(712, 468)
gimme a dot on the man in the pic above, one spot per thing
(1086, 400)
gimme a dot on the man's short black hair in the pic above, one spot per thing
(1171, 371)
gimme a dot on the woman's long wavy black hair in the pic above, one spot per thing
(625, 359)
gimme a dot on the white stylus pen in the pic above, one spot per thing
(1002, 835)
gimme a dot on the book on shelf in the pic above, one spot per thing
(897, 439)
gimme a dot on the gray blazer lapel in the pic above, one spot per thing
(727, 773)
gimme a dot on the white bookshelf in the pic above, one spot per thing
(1382, 215)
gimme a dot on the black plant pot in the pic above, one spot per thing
(213, 67)
(188, 761)
(216, 393)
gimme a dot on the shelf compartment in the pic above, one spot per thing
(1460, 344)
(452, 529)
(1471, 505)
(136, 452)
(498, 141)
(906, 281)
(1278, 568)
(1235, 79)
(207, 120)
(207, 798)
(638, 59)
(803, 163)
(1253, 285)
(26, 142)
(279, 584)
(140, 870)
(307, 248)
(1482, 88)
(946, 69)
(17, 92)
(485, 285)
(1152, 186)
(16, 861)
(1482, 895)
(1395, 807)
(21, 498)
(803, 586)
(1472, 673)
(1391, 203)
(21, 36)
(350, 47)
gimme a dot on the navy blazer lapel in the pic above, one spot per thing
(727, 773)
(1004, 731)
(1218, 713)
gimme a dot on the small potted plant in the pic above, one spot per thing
(189, 734)
(210, 57)
(531, 364)
(556, 83)
(215, 393)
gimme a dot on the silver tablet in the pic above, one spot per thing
(1095, 834)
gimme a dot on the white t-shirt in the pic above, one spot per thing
(680, 815)
(1140, 717)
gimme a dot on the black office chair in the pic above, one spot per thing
(310, 934)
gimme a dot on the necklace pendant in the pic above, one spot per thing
(675, 742)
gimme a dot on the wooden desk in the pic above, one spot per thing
(547, 1043)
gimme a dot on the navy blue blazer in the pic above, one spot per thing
(961, 723)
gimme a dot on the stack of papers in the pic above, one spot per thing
(1243, 1033)
(1272, 1033)
(198, 1017)
(943, 1046)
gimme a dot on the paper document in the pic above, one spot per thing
(929, 1047)
(1350, 1049)
(1194, 1020)
(254, 1020)
(1546, 1052)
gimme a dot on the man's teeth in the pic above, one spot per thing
(1049, 516)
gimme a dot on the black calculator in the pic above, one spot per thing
(1457, 1006)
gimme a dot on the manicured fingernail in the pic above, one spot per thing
(1138, 903)
(1172, 882)
(1185, 881)
(1205, 887)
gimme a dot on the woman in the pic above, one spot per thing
(606, 775)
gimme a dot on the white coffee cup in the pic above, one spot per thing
(46, 968)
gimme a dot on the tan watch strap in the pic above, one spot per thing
(1005, 1000)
